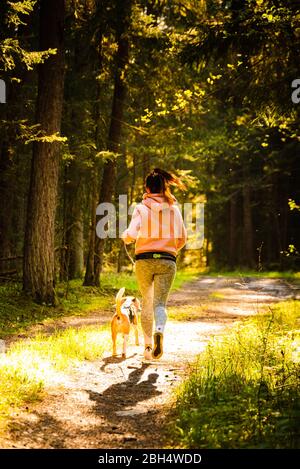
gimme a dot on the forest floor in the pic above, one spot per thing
(123, 403)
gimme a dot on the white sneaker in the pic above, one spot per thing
(148, 352)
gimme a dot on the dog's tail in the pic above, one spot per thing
(119, 298)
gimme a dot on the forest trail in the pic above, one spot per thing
(121, 403)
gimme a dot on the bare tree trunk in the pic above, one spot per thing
(132, 189)
(39, 266)
(71, 261)
(248, 227)
(76, 263)
(63, 268)
(122, 188)
(207, 235)
(114, 136)
(233, 226)
(89, 278)
(146, 165)
(106, 194)
(281, 216)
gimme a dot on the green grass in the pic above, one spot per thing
(16, 389)
(183, 276)
(62, 348)
(18, 312)
(245, 389)
(28, 366)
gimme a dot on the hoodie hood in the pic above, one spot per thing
(157, 201)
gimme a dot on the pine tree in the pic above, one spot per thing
(39, 266)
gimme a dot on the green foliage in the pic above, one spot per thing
(47, 138)
(11, 51)
(28, 367)
(245, 391)
(17, 9)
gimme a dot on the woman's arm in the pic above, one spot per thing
(131, 233)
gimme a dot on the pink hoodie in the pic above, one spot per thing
(156, 225)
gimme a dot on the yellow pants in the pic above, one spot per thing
(155, 278)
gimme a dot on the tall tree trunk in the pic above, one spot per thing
(133, 180)
(114, 136)
(39, 266)
(106, 194)
(89, 278)
(233, 226)
(268, 210)
(248, 228)
(207, 232)
(63, 268)
(146, 165)
(71, 261)
(275, 220)
(75, 243)
(123, 184)
(282, 219)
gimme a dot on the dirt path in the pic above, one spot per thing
(115, 403)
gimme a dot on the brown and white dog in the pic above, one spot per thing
(127, 308)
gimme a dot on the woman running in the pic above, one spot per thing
(159, 233)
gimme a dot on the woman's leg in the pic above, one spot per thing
(163, 279)
(144, 275)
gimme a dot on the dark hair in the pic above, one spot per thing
(158, 182)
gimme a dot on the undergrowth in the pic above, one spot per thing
(29, 365)
(244, 390)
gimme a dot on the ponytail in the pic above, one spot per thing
(170, 178)
(159, 181)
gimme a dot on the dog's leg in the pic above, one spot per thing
(136, 333)
(125, 345)
(114, 342)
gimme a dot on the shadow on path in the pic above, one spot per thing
(126, 394)
(114, 360)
